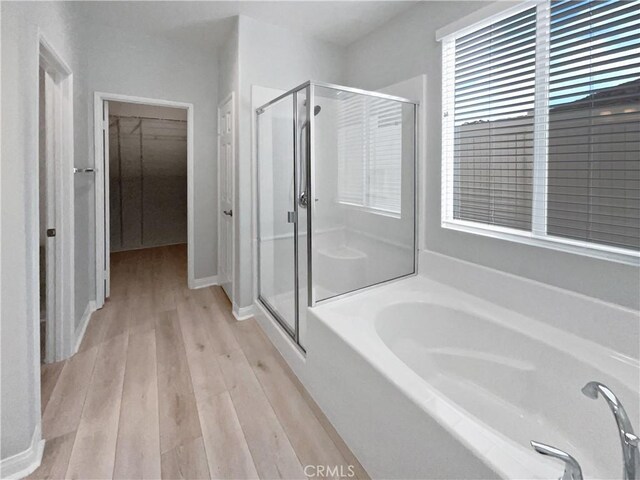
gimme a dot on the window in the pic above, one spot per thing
(541, 127)
(370, 153)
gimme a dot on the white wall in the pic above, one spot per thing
(20, 380)
(273, 57)
(228, 63)
(405, 47)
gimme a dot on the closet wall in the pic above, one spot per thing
(147, 176)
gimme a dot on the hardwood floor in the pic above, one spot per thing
(167, 384)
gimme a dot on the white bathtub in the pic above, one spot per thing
(426, 381)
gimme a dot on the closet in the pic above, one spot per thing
(147, 176)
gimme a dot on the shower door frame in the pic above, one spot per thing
(295, 332)
(309, 86)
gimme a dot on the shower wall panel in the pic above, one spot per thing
(364, 223)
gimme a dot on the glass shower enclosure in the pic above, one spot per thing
(336, 206)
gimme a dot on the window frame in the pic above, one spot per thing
(538, 236)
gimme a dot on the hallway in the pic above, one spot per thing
(167, 384)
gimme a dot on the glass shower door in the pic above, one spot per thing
(277, 230)
(336, 197)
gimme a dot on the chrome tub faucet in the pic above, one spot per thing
(572, 470)
(628, 439)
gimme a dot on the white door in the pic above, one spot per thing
(48, 213)
(226, 155)
(107, 202)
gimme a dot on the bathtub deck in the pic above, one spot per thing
(168, 385)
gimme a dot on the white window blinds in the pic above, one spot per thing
(370, 153)
(352, 150)
(541, 125)
(594, 122)
(494, 122)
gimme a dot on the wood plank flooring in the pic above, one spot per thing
(167, 384)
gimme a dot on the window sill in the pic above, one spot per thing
(602, 252)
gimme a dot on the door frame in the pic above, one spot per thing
(232, 273)
(102, 186)
(60, 327)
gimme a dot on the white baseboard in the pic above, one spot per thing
(24, 463)
(203, 282)
(242, 313)
(86, 316)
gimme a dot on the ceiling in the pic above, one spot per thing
(205, 24)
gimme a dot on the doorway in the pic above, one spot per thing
(144, 194)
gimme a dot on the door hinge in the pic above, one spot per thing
(292, 217)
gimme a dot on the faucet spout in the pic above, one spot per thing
(628, 439)
(572, 470)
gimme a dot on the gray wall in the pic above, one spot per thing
(405, 47)
(145, 66)
(140, 65)
(19, 379)
(102, 59)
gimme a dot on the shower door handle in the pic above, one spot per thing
(303, 199)
(302, 170)
(302, 183)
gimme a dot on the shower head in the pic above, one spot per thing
(316, 109)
